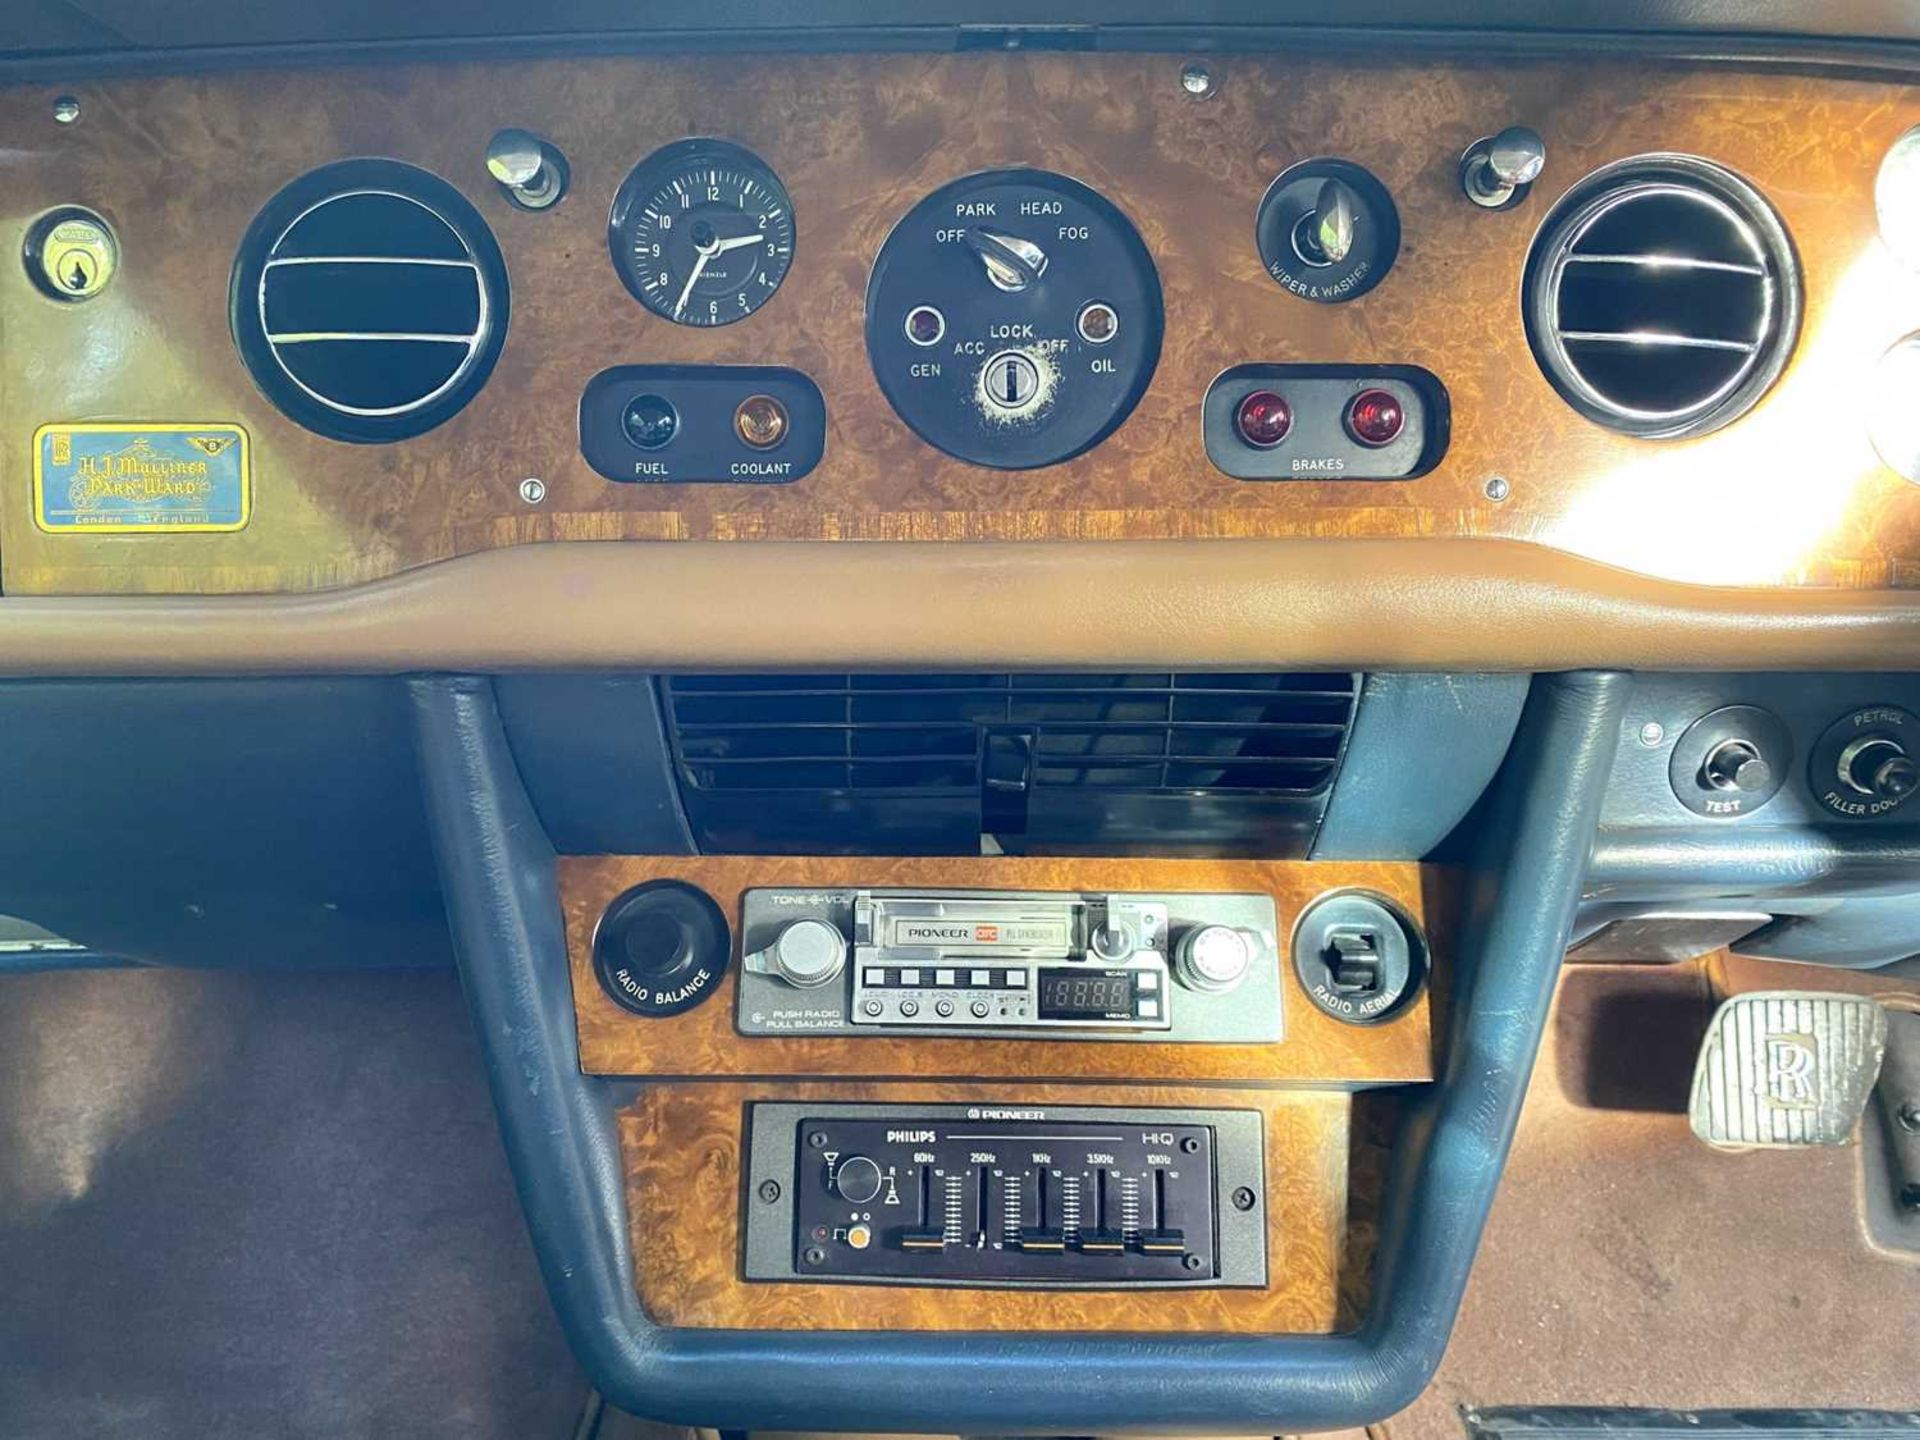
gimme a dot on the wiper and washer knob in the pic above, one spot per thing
(531, 171)
(1497, 172)
(1324, 235)
(1335, 210)
(1012, 264)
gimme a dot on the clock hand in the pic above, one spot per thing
(700, 264)
(737, 242)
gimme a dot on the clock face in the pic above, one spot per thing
(702, 233)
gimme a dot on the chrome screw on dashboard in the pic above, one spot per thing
(1197, 80)
(1496, 172)
(533, 490)
(531, 172)
(66, 110)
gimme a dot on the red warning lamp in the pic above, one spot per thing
(1263, 419)
(1376, 418)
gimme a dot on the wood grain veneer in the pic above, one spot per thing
(703, 1041)
(1791, 496)
(685, 1140)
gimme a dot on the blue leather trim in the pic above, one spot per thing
(497, 872)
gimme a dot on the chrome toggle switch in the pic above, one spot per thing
(531, 172)
(1496, 172)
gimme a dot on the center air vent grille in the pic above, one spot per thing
(1078, 757)
(1662, 296)
(369, 300)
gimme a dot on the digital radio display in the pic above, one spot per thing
(1086, 994)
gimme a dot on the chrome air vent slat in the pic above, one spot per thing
(369, 300)
(1662, 296)
(1655, 337)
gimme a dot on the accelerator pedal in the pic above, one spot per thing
(1783, 1068)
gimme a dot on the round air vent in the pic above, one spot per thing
(369, 300)
(1662, 296)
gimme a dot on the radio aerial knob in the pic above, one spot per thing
(856, 1179)
(805, 954)
(1213, 957)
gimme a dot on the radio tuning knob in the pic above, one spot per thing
(804, 954)
(1213, 957)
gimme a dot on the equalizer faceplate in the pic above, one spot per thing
(992, 1195)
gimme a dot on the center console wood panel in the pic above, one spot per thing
(1791, 496)
(682, 1150)
(704, 1041)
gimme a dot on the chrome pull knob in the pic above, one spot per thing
(1011, 263)
(1737, 765)
(532, 172)
(1517, 155)
(1336, 209)
(1497, 171)
(804, 954)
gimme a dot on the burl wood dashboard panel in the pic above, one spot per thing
(1790, 496)
(684, 1141)
(704, 1041)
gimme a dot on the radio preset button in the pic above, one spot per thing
(981, 977)
(943, 1008)
(909, 1008)
(944, 977)
(873, 1007)
(980, 1009)
(909, 977)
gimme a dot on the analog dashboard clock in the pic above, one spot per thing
(702, 232)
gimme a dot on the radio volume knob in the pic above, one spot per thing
(805, 954)
(1213, 957)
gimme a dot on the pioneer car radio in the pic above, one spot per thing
(1194, 968)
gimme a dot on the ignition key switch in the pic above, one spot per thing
(1360, 958)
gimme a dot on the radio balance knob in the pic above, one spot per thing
(805, 954)
(856, 1179)
(1213, 957)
